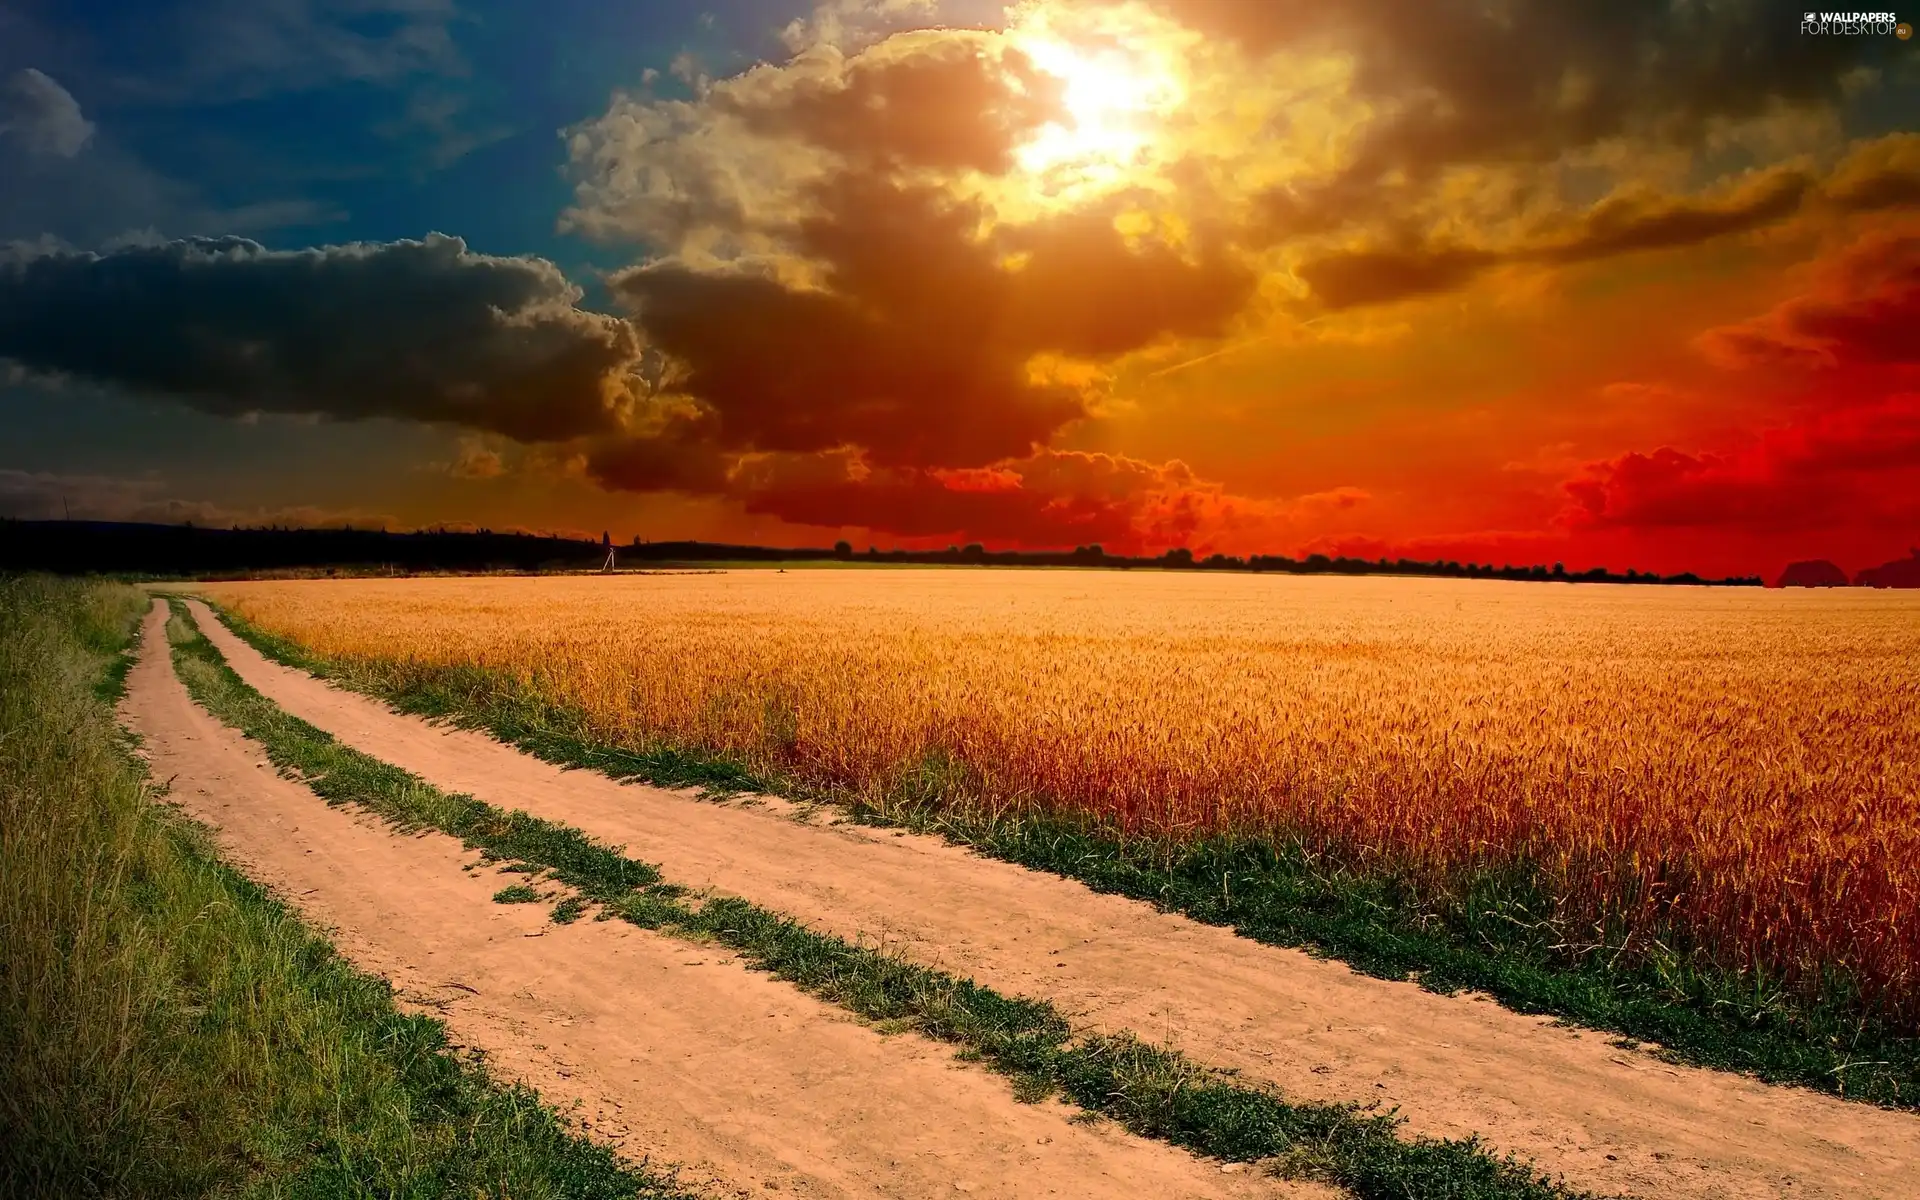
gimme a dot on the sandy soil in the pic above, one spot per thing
(1609, 1119)
(674, 1052)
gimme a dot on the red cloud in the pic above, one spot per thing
(1050, 500)
(1053, 499)
(1852, 466)
(1864, 311)
(1842, 469)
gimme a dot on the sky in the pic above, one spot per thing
(1632, 283)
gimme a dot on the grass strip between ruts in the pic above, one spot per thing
(172, 1031)
(1496, 937)
(1152, 1091)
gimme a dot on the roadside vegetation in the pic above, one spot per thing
(1150, 1090)
(1753, 951)
(167, 1029)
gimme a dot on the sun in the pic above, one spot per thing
(1113, 98)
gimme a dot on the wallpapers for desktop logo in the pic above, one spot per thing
(1855, 23)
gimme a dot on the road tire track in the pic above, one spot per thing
(1606, 1118)
(674, 1052)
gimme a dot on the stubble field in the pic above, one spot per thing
(1728, 776)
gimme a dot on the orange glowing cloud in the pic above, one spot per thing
(1592, 281)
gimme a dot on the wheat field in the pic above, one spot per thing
(1740, 765)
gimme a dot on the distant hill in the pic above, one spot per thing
(1816, 572)
(1900, 573)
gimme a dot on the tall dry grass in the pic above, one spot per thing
(169, 1030)
(1739, 767)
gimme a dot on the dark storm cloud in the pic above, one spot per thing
(820, 370)
(1883, 174)
(918, 504)
(1086, 291)
(424, 331)
(835, 299)
(1878, 176)
(917, 349)
(1053, 498)
(1526, 80)
(1621, 224)
(680, 456)
(1353, 278)
(913, 336)
(1630, 222)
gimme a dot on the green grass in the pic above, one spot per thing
(1150, 1090)
(1494, 935)
(166, 1028)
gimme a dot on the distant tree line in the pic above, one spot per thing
(100, 546)
(76, 547)
(1313, 564)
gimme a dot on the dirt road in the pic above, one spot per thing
(1609, 1119)
(675, 1051)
